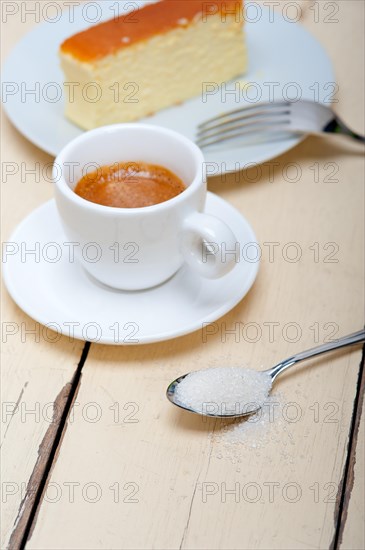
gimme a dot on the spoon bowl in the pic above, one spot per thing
(205, 411)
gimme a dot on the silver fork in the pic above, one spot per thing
(268, 119)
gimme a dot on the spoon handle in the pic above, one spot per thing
(349, 340)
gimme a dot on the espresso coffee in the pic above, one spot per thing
(129, 185)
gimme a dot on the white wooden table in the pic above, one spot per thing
(104, 461)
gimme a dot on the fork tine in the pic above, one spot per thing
(242, 121)
(246, 109)
(255, 129)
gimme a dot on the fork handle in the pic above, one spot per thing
(336, 126)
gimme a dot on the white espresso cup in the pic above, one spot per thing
(138, 248)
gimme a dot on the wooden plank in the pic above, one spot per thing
(35, 372)
(168, 454)
(167, 460)
(151, 477)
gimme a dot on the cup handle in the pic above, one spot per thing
(209, 246)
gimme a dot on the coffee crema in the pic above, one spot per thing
(129, 185)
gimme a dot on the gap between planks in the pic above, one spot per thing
(47, 456)
(348, 476)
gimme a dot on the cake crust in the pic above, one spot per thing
(153, 19)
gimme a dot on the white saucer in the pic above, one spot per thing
(60, 294)
(285, 62)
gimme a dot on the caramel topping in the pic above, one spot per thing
(158, 18)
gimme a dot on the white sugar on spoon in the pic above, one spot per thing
(233, 391)
(224, 391)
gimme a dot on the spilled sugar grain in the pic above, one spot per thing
(269, 426)
(224, 390)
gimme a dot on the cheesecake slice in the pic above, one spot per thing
(159, 55)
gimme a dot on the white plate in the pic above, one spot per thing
(61, 295)
(280, 52)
